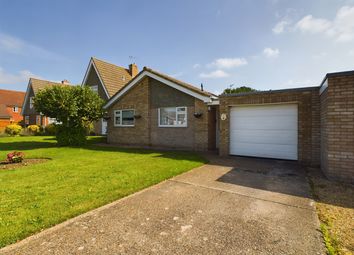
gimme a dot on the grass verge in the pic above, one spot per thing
(335, 209)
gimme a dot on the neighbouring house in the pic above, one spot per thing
(10, 107)
(313, 125)
(106, 79)
(30, 115)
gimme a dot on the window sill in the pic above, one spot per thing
(124, 125)
(167, 126)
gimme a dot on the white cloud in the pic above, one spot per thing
(312, 25)
(295, 84)
(351, 52)
(271, 53)
(280, 27)
(227, 63)
(10, 44)
(341, 28)
(196, 66)
(20, 77)
(13, 45)
(214, 74)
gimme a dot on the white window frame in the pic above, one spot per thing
(176, 125)
(52, 120)
(119, 112)
(15, 109)
(31, 102)
(94, 88)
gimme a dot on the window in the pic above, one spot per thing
(38, 119)
(31, 102)
(52, 120)
(26, 120)
(15, 109)
(94, 88)
(173, 117)
(124, 118)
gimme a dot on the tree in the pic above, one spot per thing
(241, 89)
(74, 107)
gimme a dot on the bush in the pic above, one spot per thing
(15, 157)
(13, 129)
(34, 129)
(70, 136)
(51, 129)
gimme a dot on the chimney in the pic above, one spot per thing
(133, 70)
(65, 82)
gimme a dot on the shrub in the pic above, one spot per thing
(90, 129)
(34, 129)
(73, 136)
(73, 106)
(51, 129)
(15, 157)
(13, 129)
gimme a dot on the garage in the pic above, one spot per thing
(269, 131)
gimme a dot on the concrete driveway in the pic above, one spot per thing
(230, 206)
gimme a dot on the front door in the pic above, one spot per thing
(104, 127)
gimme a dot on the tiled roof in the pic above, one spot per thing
(114, 77)
(181, 83)
(3, 112)
(140, 75)
(41, 84)
(11, 97)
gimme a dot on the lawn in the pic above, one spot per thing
(75, 180)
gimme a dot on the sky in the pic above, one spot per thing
(264, 44)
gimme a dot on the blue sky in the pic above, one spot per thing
(269, 44)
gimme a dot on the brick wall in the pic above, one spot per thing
(338, 128)
(308, 118)
(201, 126)
(324, 132)
(174, 137)
(138, 99)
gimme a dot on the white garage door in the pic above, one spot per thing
(268, 131)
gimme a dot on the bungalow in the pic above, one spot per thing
(313, 125)
(30, 115)
(156, 110)
(10, 107)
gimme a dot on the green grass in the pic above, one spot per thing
(74, 181)
(330, 241)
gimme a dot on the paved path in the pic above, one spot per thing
(230, 206)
